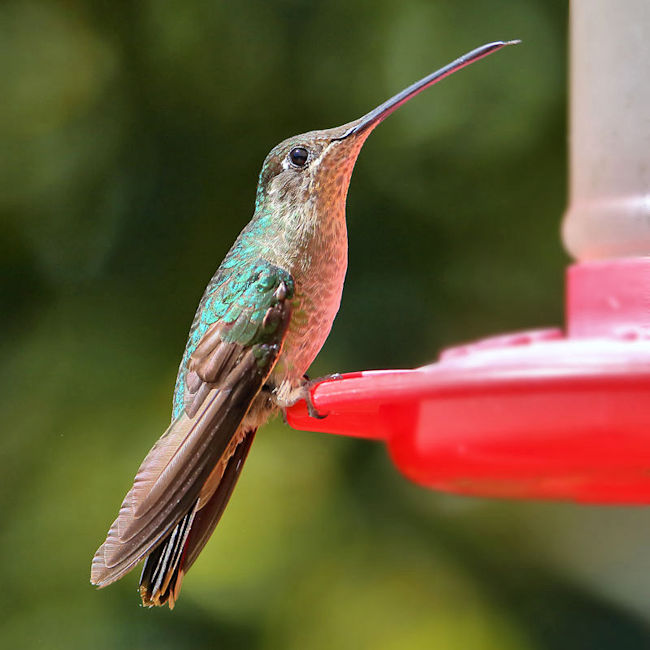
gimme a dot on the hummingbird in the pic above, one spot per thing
(262, 320)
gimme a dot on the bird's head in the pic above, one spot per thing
(314, 168)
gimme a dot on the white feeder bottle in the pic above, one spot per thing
(609, 204)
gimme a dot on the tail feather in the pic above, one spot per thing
(161, 566)
(165, 567)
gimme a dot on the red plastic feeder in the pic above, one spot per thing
(545, 413)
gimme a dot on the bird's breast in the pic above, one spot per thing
(319, 272)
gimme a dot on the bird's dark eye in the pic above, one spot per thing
(298, 156)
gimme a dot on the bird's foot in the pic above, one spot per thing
(308, 385)
(286, 399)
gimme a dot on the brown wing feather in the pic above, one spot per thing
(223, 379)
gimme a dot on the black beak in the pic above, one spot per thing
(380, 113)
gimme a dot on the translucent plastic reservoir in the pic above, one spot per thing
(609, 207)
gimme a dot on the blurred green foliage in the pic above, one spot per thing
(132, 134)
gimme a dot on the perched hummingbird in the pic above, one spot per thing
(261, 322)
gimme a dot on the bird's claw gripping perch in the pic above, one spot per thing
(306, 388)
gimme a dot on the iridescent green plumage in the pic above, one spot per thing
(231, 294)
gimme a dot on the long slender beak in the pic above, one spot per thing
(380, 113)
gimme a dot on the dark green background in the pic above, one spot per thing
(131, 138)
